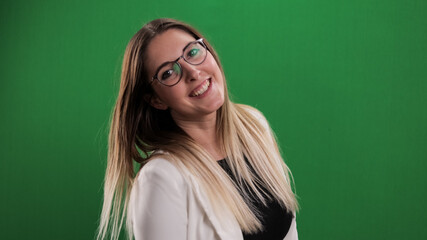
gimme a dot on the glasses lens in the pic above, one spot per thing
(195, 53)
(169, 74)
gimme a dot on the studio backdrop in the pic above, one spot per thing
(343, 84)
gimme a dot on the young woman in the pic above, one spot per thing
(210, 168)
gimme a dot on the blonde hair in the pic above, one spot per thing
(138, 130)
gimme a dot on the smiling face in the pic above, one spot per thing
(199, 94)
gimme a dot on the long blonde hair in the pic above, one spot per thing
(137, 130)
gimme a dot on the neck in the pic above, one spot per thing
(204, 132)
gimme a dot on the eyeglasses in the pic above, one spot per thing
(170, 73)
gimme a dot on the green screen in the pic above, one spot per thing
(343, 84)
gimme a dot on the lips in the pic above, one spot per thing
(202, 88)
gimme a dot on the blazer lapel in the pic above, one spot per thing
(226, 229)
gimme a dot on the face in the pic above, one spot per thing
(199, 94)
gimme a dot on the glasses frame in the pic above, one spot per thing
(200, 40)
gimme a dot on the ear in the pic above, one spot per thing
(156, 102)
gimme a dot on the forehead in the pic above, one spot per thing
(165, 47)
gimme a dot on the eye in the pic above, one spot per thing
(166, 74)
(170, 72)
(193, 52)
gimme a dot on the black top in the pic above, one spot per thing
(275, 219)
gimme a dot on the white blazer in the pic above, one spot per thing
(165, 205)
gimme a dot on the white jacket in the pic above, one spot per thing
(164, 205)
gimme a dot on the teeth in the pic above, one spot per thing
(203, 89)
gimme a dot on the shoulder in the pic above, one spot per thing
(255, 114)
(249, 109)
(161, 171)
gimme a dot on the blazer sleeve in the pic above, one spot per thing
(158, 199)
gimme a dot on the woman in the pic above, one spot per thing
(210, 169)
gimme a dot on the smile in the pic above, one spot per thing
(201, 89)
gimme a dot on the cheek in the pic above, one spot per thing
(210, 61)
(213, 67)
(170, 95)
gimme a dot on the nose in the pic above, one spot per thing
(189, 72)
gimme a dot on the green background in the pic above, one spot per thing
(343, 84)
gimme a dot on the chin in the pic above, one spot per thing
(219, 104)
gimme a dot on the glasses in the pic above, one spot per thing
(170, 73)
